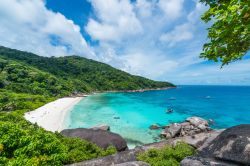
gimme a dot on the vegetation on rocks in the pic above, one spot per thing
(167, 156)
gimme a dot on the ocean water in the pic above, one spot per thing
(131, 114)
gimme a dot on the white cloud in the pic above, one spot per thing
(178, 34)
(148, 65)
(186, 30)
(145, 8)
(142, 52)
(194, 16)
(172, 8)
(234, 74)
(28, 25)
(116, 21)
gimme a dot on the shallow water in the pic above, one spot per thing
(131, 114)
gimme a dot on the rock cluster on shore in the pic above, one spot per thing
(230, 147)
(192, 126)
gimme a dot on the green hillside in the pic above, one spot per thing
(29, 73)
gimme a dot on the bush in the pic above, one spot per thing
(22, 143)
(167, 156)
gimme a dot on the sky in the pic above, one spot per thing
(157, 39)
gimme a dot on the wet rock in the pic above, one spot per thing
(101, 138)
(154, 127)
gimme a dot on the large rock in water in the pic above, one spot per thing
(101, 138)
(198, 122)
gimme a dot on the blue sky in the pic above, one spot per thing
(158, 39)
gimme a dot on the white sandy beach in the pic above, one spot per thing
(51, 116)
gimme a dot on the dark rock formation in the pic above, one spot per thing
(231, 147)
(101, 127)
(233, 144)
(199, 161)
(101, 138)
(154, 127)
(133, 163)
(130, 155)
(119, 158)
(192, 126)
(172, 130)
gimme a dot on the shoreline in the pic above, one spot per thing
(138, 90)
(52, 115)
(121, 91)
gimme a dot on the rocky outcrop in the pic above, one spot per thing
(154, 127)
(133, 163)
(101, 127)
(129, 156)
(192, 126)
(231, 147)
(199, 161)
(118, 158)
(101, 138)
(172, 130)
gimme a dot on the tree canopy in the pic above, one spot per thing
(24, 72)
(229, 34)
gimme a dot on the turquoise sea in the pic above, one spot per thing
(131, 114)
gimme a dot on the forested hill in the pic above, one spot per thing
(23, 72)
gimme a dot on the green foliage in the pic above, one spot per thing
(20, 78)
(21, 102)
(229, 35)
(167, 156)
(22, 143)
(24, 72)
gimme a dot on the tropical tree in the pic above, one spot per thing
(229, 34)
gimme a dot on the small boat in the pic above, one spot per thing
(169, 111)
